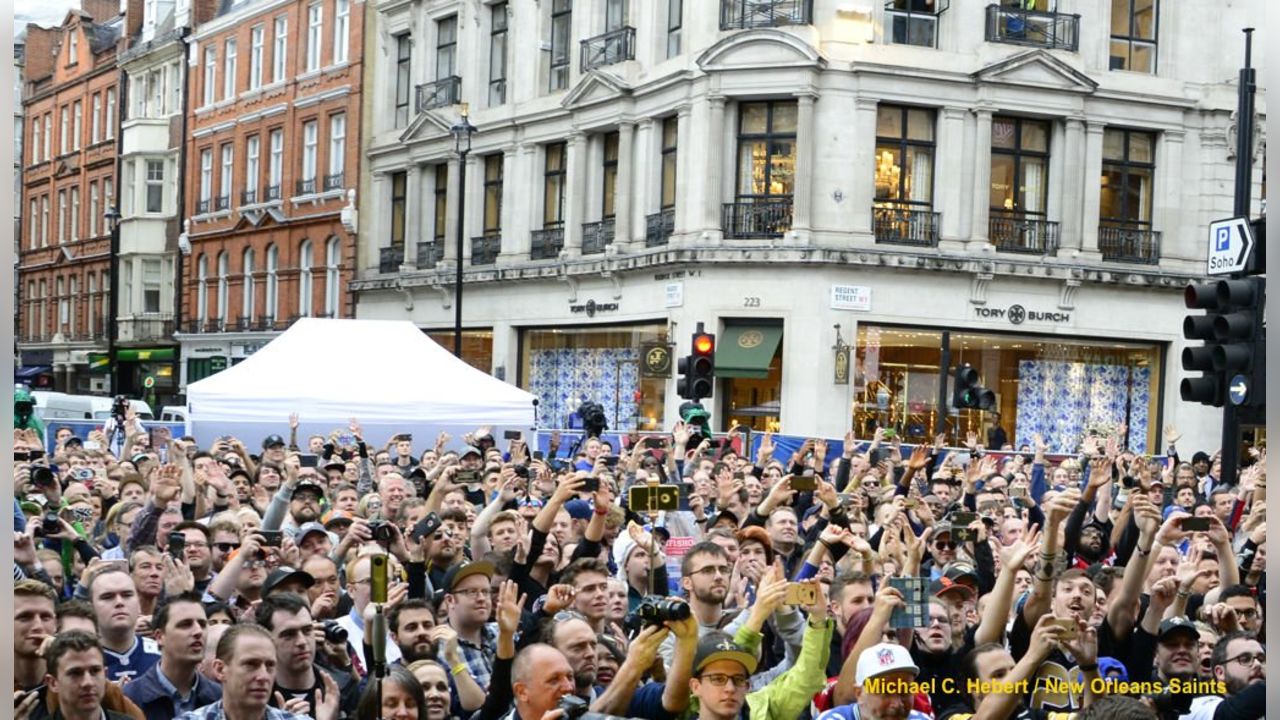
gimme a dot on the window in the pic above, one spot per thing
(1128, 169)
(337, 150)
(48, 134)
(610, 172)
(206, 178)
(615, 15)
(229, 69)
(75, 214)
(44, 221)
(44, 318)
(497, 54)
(65, 143)
(276, 170)
(279, 53)
(64, 310)
(399, 194)
(341, 29)
(93, 209)
(35, 142)
(915, 22)
(315, 29)
(95, 122)
(130, 188)
(202, 288)
(493, 194)
(155, 186)
(73, 46)
(561, 31)
(91, 299)
(255, 57)
(404, 78)
(553, 176)
(251, 169)
(34, 216)
(151, 281)
(670, 134)
(210, 74)
(73, 295)
(246, 287)
(77, 125)
(273, 284)
(446, 47)
(155, 92)
(675, 22)
(904, 156)
(106, 299)
(332, 277)
(441, 197)
(309, 140)
(222, 286)
(108, 193)
(176, 81)
(110, 118)
(224, 178)
(304, 279)
(1134, 24)
(1019, 165)
(766, 149)
(62, 216)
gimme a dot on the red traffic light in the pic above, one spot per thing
(704, 344)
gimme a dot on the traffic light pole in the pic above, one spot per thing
(944, 372)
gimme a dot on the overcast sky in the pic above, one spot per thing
(40, 12)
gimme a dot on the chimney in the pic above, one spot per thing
(133, 18)
(41, 47)
(101, 10)
(202, 11)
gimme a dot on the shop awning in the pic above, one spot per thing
(745, 351)
(98, 361)
(29, 372)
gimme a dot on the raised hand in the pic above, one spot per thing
(559, 597)
(510, 604)
(919, 457)
(1016, 554)
(293, 421)
(327, 698)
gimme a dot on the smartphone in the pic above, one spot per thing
(591, 484)
(427, 526)
(177, 545)
(35, 454)
(511, 435)
(467, 477)
(915, 613)
(538, 455)
(804, 482)
(801, 593)
(646, 498)
(1018, 491)
(611, 461)
(1195, 524)
(890, 433)
(378, 578)
(346, 439)
(272, 538)
(1070, 628)
(960, 530)
(683, 490)
(654, 443)
(308, 460)
(910, 503)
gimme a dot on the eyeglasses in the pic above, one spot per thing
(473, 593)
(565, 615)
(227, 547)
(940, 620)
(945, 544)
(713, 570)
(740, 682)
(1243, 613)
(1246, 659)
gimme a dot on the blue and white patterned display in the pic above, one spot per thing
(609, 376)
(1060, 400)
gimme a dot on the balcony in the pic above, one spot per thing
(244, 322)
(907, 26)
(547, 243)
(214, 326)
(266, 322)
(333, 182)
(597, 235)
(203, 206)
(485, 249)
(389, 259)
(658, 227)
(440, 93)
(756, 219)
(271, 192)
(428, 255)
(610, 48)
(1131, 243)
(151, 327)
(306, 187)
(248, 197)
(1022, 233)
(906, 225)
(1048, 30)
(744, 14)
(222, 202)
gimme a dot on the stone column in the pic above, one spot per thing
(475, 203)
(1073, 180)
(1092, 192)
(864, 168)
(624, 223)
(413, 228)
(981, 227)
(575, 178)
(714, 167)
(949, 163)
(515, 225)
(646, 176)
(375, 227)
(684, 216)
(802, 200)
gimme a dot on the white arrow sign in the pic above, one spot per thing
(1230, 243)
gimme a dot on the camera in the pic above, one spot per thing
(594, 421)
(382, 531)
(521, 471)
(654, 610)
(49, 522)
(41, 475)
(334, 633)
(575, 708)
(119, 408)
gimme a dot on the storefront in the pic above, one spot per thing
(477, 346)
(749, 364)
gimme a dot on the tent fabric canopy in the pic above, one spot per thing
(387, 374)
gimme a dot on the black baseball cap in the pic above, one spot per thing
(1176, 624)
(719, 646)
(271, 441)
(460, 572)
(284, 574)
(310, 486)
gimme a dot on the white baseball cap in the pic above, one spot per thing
(881, 659)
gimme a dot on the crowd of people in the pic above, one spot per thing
(284, 577)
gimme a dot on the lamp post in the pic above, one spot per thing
(112, 216)
(462, 132)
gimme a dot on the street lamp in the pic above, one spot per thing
(462, 132)
(112, 216)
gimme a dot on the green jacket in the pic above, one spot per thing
(789, 694)
(32, 422)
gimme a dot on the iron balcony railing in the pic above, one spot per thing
(610, 48)
(149, 327)
(428, 254)
(203, 206)
(743, 14)
(1131, 243)
(244, 322)
(215, 325)
(389, 259)
(658, 227)
(333, 182)
(485, 249)
(596, 236)
(222, 202)
(1049, 30)
(756, 218)
(546, 244)
(266, 322)
(306, 187)
(906, 26)
(248, 197)
(440, 93)
(1023, 233)
(272, 192)
(906, 225)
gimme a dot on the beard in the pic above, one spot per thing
(419, 651)
(712, 595)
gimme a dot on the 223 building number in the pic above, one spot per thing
(752, 302)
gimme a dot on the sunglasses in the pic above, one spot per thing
(226, 546)
(945, 544)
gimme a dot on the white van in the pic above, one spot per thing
(61, 406)
(173, 413)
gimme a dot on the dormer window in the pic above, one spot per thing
(72, 46)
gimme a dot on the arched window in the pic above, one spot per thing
(202, 288)
(332, 277)
(246, 301)
(273, 288)
(222, 286)
(304, 279)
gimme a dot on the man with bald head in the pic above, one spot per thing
(540, 676)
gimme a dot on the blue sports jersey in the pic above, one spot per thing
(123, 667)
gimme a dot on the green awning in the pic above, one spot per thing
(745, 351)
(98, 361)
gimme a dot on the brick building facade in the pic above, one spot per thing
(71, 100)
(272, 161)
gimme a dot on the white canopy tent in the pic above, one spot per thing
(387, 374)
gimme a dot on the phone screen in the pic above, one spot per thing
(916, 612)
(308, 460)
(177, 545)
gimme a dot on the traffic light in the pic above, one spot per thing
(698, 368)
(1233, 357)
(1206, 389)
(969, 393)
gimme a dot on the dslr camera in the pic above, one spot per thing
(575, 708)
(382, 531)
(119, 407)
(334, 633)
(655, 610)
